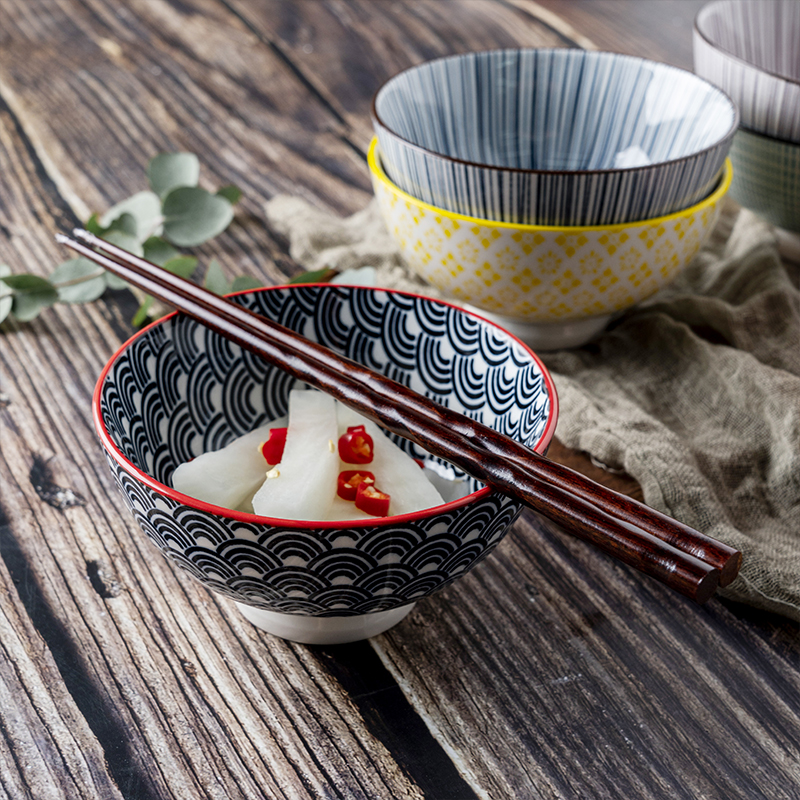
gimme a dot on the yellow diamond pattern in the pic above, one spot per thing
(544, 274)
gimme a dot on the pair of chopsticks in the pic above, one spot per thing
(655, 544)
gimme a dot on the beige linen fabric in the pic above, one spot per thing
(695, 393)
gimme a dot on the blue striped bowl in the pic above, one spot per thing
(553, 136)
(751, 50)
(177, 389)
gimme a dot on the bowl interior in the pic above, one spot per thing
(764, 33)
(559, 109)
(178, 389)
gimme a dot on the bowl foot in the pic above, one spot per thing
(543, 336)
(324, 630)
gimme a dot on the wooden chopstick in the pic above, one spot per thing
(653, 543)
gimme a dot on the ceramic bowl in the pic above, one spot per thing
(553, 136)
(751, 50)
(767, 178)
(552, 286)
(177, 389)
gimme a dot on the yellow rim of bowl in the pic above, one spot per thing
(376, 169)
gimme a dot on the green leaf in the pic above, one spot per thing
(315, 276)
(6, 293)
(233, 194)
(215, 280)
(125, 241)
(85, 281)
(181, 265)
(158, 250)
(115, 282)
(93, 225)
(193, 216)
(168, 171)
(125, 223)
(244, 282)
(144, 207)
(140, 317)
(31, 295)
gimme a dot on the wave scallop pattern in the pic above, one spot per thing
(179, 389)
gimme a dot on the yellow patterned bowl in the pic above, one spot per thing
(551, 286)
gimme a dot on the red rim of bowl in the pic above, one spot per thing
(110, 447)
(611, 171)
(705, 11)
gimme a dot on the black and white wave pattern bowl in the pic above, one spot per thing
(177, 389)
(553, 136)
(751, 50)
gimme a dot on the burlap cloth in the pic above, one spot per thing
(696, 393)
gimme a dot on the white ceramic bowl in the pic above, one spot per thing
(552, 286)
(751, 50)
(177, 389)
(553, 136)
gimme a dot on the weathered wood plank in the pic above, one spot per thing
(586, 680)
(345, 51)
(220, 711)
(657, 29)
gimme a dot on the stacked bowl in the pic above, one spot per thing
(751, 50)
(550, 188)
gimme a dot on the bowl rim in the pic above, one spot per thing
(372, 522)
(555, 172)
(708, 9)
(373, 159)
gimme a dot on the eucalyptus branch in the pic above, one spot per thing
(173, 213)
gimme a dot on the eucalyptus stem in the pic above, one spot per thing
(81, 279)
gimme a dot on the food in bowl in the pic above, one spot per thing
(325, 462)
(177, 390)
(553, 136)
(559, 285)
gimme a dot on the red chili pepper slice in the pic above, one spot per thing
(372, 501)
(272, 449)
(356, 446)
(350, 480)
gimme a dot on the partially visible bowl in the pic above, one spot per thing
(177, 389)
(553, 286)
(553, 136)
(751, 50)
(766, 178)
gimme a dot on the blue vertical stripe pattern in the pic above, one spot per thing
(553, 136)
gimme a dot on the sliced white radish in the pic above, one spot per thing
(229, 476)
(396, 473)
(341, 510)
(303, 485)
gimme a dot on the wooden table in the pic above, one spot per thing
(549, 672)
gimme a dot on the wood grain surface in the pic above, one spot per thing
(550, 671)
